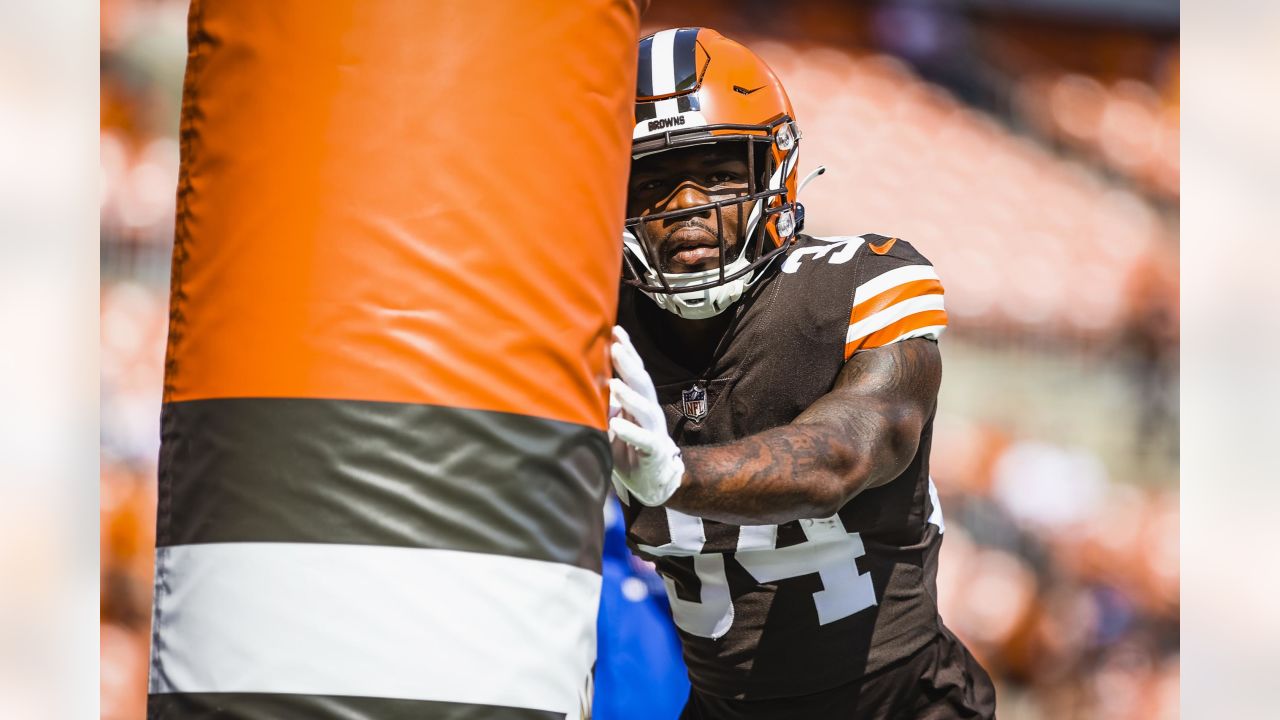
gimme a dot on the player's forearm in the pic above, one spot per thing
(790, 472)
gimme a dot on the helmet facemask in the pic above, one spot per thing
(766, 227)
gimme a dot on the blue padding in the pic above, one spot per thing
(639, 672)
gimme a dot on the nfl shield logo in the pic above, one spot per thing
(694, 402)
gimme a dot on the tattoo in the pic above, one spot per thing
(861, 434)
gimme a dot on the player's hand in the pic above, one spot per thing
(646, 460)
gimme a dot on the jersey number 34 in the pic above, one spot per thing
(829, 551)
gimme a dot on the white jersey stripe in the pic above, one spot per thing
(372, 621)
(892, 314)
(892, 279)
(933, 332)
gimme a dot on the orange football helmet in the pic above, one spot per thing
(693, 87)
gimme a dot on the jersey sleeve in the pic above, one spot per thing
(898, 296)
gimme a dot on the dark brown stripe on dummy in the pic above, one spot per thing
(270, 706)
(356, 472)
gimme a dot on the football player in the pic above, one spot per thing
(772, 414)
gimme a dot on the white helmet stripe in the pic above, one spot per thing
(662, 65)
(662, 59)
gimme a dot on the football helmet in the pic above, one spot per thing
(696, 87)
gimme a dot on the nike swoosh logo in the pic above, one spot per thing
(744, 91)
(883, 247)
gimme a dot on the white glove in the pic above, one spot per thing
(646, 460)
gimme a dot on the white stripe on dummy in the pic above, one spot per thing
(372, 621)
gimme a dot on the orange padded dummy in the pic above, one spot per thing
(402, 201)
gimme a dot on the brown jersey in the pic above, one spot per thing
(783, 610)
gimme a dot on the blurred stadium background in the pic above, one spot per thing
(1028, 147)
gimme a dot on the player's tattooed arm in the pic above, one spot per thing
(860, 435)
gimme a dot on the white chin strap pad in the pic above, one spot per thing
(701, 304)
